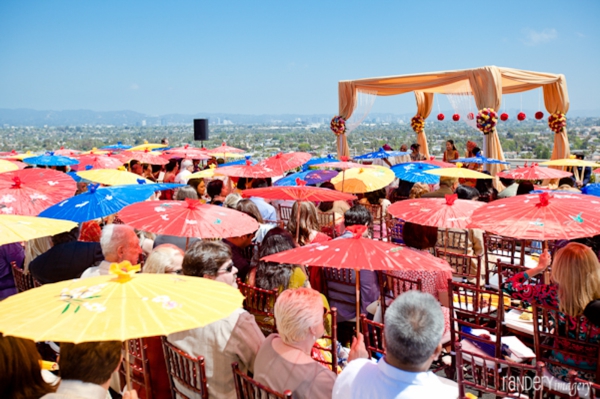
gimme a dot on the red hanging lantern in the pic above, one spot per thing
(504, 117)
(521, 116)
(539, 115)
(456, 117)
(440, 117)
(470, 116)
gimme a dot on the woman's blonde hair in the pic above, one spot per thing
(418, 190)
(308, 221)
(296, 311)
(161, 257)
(576, 270)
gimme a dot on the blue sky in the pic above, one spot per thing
(274, 57)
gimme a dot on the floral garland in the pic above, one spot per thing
(338, 125)
(487, 120)
(417, 123)
(557, 122)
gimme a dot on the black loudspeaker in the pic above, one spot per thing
(201, 129)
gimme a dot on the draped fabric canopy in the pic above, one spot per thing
(487, 85)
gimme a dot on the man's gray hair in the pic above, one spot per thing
(114, 235)
(414, 325)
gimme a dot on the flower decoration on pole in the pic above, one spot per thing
(417, 123)
(504, 117)
(456, 117)
(487, 119)
(470, 116)
(557, 122)
(338, 125)
(440, 117)
(521, 116)
(539, 115)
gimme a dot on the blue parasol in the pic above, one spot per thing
(239, 162)
(414, 172)
(309, 176)
(49, 159)
(591, 189)
(74, 176)
(118, 146)
(381, 153)
(480, 159)
(316, 161)
(99, 202)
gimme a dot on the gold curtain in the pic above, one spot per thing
(424, 106)
(556, 99)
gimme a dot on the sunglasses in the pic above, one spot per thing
(227, 270)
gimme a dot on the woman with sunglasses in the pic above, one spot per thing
(235, 338)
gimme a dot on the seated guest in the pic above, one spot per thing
(413, 330)
(447, 186)
(187, 166)
(235, 338)
(249, 208)
(267, 211)
(487, 192)
(217, 191)
(186, 192)
(232, 200)
(338, 207)
(86, 370)
(307, 230)
(511, 187)
(136, 167)
(239, 249)
(181, 242)
(199, 185)
(378, 197)
(119, 243)
(568, 184)
(525, 187)
(575, 277)
(284, 360)
(403, 190)
(418, 190)
(345, 296)
(9, 253)
(20, 372)
(67, 259)
(166, 258)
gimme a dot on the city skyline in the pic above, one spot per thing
(278, 58)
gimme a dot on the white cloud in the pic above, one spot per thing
(533, 37)
(134, 86)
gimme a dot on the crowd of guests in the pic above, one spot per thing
(414, 323)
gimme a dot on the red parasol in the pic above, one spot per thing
(108, 161)
(359, 253)
(297, 193)
(191, 153)
(248, 170)
(188, 219)
(596, 170)
(30, 191)
(66, 152)
(146, 156)
(534, 172)
(224, 149)
(281, 162)
(447, 213)
(541, 216)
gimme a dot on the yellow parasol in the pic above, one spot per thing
(20, 157)
(459, 173)
(111, 177)
(7, 166)
(16, 228)
(570, 162)
(210, 172)
(95, 151)
(146, 146)
(363, 180)
(117, 307)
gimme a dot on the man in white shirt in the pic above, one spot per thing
(119, 243)
(267, 211)
(414, 325)
(187, 166)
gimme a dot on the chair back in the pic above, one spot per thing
(247, 388)
(506, 271)
(583, 386)
(373, 333)
(23, 280)
(574, 338)
(378, 220)
(394, 228)
(139, 370)
(187, 371)
(467, 267)
(505, 247)
(260, 303)
(496, 376)
(473, 307)
(327, 223)
(390, 286)
(285, 212)
(456, 240)
(332, 349)
(340, 278)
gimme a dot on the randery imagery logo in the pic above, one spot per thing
(529, 383)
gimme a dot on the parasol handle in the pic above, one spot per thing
(357, 273)
(127, 367)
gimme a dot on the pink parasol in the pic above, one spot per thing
(297, 193)
(441, 164)
(281, 162)
(223, 149)
(146, 156)
(541, 217)
(30, 191)
(93, 161)
(248, 170)
(66, 152)
(534, 172)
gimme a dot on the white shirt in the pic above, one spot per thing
(365, 379)
(182, 177)
(100, 270)
(72, 389)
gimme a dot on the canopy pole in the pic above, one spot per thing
(357, 273)
(127, 366)
(187, 242)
